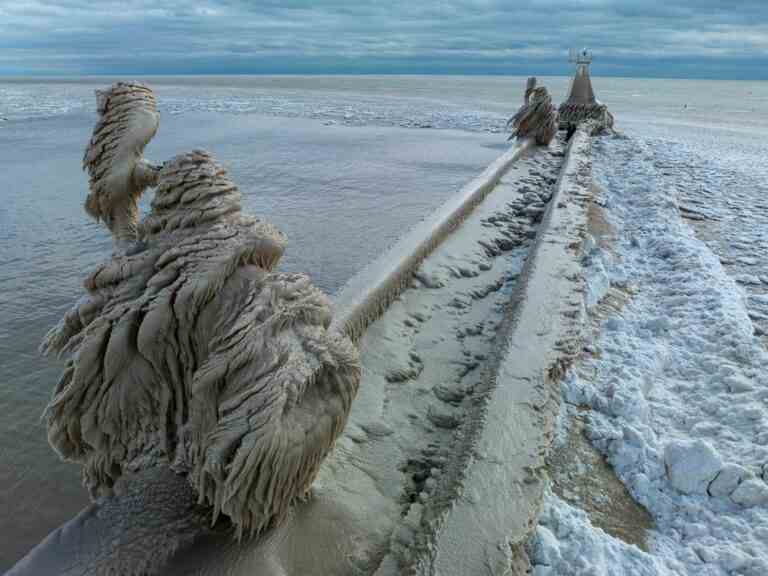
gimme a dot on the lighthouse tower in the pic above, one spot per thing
(581, 85)
(581, 104)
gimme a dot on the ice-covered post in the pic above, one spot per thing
(529, 88)
(537, 117)
(128, 119)
(189, 349)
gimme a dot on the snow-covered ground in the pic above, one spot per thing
(678, 394)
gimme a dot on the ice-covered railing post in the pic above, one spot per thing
(530, 85)
(188, 349)
(536, 118)
(581, 104)
(128, 119)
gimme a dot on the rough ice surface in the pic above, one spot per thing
(678, 398)
(722, 186)
(567, 543)
(271, 97)
(691, 466)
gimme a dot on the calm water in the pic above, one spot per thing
(343, 165)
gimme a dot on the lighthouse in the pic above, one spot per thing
(581, 104)
(581, 85)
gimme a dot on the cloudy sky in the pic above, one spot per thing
(677, 38)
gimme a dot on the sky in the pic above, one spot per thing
(725, 39)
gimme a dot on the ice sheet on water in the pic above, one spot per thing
(21, 102)
(722, 188)
(43, 100)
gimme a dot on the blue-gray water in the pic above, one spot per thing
(343, 165)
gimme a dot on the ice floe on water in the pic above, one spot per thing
(722, 187)
(22, 102)
(678, 392)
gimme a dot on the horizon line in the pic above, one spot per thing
(71, 76)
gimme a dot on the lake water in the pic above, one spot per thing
(343, 165)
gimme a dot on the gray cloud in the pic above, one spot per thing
(649, 37)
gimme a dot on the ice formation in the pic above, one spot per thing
(361, 504)
(677, 392)
(190, 353)
(582, 105)
(188, 349)
(537, 117)
(128, 120)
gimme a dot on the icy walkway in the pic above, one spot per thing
(440, 467)
(678, 392)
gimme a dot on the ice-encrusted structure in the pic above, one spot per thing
(188, 349)
(536, 118)
(128, 120)
(581, 105)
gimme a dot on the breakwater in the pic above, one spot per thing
(458, 372)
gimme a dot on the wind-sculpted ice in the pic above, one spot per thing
(537, 118)
(188, 349)
(128, 120)
(582, 106)
(573, 113)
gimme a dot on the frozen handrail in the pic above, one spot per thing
(368, 294)
(188, 348)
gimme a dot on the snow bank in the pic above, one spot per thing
(567, 543)
(678, 397)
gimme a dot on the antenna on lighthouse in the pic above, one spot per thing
(582, 56)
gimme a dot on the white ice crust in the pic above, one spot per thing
(679, 395)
